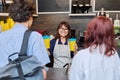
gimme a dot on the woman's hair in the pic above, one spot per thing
(21, 10)
(66, 24)
(100, 31)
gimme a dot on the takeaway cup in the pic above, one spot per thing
(47, 41)
(72, 42)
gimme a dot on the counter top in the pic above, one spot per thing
(57, 74)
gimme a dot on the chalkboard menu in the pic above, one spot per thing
(53, 6)
(108, 5)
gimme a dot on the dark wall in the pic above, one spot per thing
(50, 22)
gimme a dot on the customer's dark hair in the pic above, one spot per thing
(21, 10)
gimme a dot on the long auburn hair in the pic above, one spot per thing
(100, 31)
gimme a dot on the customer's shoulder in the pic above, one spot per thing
(35, 34)
(83, 52)
(53, 40)
(81, 55)
(5, 33)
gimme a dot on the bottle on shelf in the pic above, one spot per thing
(1, 7)
(4, 5)
(6, 25)
(102, 12)
(81, 39)
(117, 25)
(75, 7)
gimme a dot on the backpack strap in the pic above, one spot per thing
(23, 51)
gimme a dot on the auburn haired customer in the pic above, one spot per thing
(99, 60)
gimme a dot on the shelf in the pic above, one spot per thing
(86, 14)
(4, 14)
(7, 14)
(35, 15)
(9, 1)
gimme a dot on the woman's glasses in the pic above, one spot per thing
(64, 29)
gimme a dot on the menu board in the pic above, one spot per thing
(108, 5)
(53, 6)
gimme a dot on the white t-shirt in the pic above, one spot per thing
(95, 65)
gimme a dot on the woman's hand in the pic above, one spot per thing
(76, 48)
(48, 52)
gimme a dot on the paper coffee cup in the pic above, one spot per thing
(47, 41)
(72, 42)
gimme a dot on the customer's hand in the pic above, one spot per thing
(44, 74)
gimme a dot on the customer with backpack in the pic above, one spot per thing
(21, 11)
